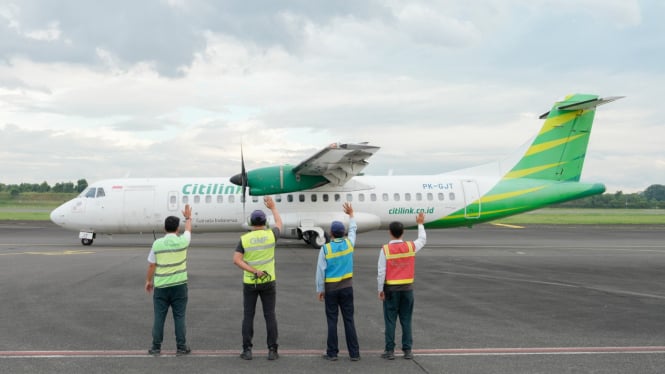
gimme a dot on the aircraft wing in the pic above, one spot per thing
(337, 162)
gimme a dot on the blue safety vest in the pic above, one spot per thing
(339, 258)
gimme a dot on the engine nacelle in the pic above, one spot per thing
(280, 179)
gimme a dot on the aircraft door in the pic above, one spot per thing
(471, 199)
(138, 209)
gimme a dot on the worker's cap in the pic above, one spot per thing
(258, 218)
(337, 229)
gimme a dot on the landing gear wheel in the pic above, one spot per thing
(315, 240)
(86, 241)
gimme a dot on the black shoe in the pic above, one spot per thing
(408, 354)
(154, 351)
(355, 358)
(388, 355)
(246, 354)
(185, 350)
(272, 354)
(329, 358)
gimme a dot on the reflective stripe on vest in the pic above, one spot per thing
(400, 263)
(170, 260)
(259, 246)
(339, 258)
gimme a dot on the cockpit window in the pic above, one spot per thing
(91, 192)
(100, 192)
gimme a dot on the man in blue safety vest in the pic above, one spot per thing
(334, 285)
(167, 276)
(255, 255)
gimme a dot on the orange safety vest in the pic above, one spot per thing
(400, 263)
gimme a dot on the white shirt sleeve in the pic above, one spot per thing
(321, 266)
(381, 275)
(422, 238)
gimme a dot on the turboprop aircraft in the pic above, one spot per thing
(546, 170)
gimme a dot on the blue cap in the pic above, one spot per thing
(337, 229)
(258, 218)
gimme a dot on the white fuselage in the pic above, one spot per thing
(140, 205)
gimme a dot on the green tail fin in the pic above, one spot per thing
(557, 153)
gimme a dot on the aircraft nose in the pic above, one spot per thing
(57, 215)
(236, 179)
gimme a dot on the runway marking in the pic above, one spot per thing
(560, 284)
(317, 353)
(507, 225)
(51, 253)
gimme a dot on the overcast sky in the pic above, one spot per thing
(171, 88)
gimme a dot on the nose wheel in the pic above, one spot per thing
(86, 241)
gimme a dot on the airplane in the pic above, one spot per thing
(544, 171)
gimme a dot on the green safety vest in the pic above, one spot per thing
(171, 260)
(259, 246)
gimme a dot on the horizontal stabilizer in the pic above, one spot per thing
(586, 104)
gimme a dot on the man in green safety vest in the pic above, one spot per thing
(255, 255)
(167, 276)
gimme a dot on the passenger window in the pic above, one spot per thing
(451, 196)
(289, 198)
(91, 193)
(396, 197)
(100, 192)
(430, 197)
(255, 199)
(172, 200)
(185, 199)
(197, 199)
(325, 197)
(407, 197)
(313, 197)
(278, 198)
(419, 196)
(440, 196)
(349, 197)
(385, 197)
(361, 197)
(372, 197)
(220, 199)
(301, 198)
(337, 197)
(208, 199)
(232, 199)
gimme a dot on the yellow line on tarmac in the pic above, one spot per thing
(507, 225)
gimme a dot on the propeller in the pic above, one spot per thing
(243, 180)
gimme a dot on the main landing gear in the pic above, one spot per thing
(315, 238)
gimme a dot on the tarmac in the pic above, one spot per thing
(491, 299)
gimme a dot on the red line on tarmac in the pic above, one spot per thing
(312, 352)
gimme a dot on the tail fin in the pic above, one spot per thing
(557, 153)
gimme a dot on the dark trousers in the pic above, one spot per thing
(163, 298)
(268, 294)
(398, 304)
(335, 301)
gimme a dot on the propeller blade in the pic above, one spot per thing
(243, 179)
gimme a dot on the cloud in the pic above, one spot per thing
(439, 86)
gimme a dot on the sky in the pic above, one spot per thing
(173, 88)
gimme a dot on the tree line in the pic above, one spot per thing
(651, 198)
(66, 187)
